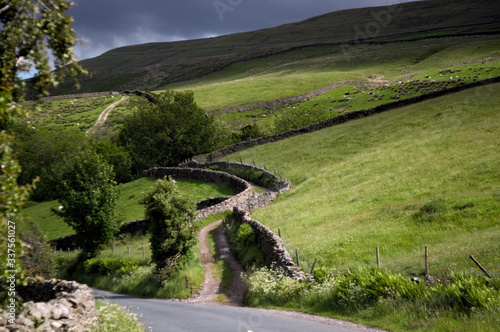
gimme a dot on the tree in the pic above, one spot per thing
(88, 196)
(47, 154)
(171, 215)
(168, 131)
(27, 30)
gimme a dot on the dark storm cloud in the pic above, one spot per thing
(106, 24)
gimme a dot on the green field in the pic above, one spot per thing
(79, 112)
(128, 206)
(303, 70)
(307, 69)
(426, 174)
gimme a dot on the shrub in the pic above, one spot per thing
(357, 290)
(172, 231)
(111, 266)
(242, 240)
(431, 211)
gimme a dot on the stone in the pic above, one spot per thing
(67, 306)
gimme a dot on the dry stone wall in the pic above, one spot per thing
(209, 206)
(54, 306)
(280, 184)
(242, 187)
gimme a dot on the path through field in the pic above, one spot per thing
(211, 286)
(104, 116)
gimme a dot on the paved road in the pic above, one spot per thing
(161, 315)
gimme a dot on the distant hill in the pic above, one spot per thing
(153, 65)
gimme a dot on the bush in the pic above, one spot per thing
(357, 290)
(111, 266)
(112, 317)
(242, 240)
(172, 230)
(431, 211)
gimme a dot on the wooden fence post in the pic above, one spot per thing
(480, 266)
(314, 264)
(426, 261)
(128, 250)
(378, 256)
(297, 255)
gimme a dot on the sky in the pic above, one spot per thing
(106, 24)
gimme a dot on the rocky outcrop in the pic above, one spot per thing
(54, 306)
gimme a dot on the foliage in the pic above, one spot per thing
(29, 30)
(142, 280)
(242, 240)
(117, 266)
(113, 318)
(248, 132)
(172, 230)
(168, 131)
(48, 154)
(116, 156)
(372, 289)
(24, 40)
(38, 258)
(88, 196)
(11, 200)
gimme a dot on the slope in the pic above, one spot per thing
(154, 64)
(426, 174)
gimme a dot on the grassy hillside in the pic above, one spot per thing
(426, 174)
(154, 64)
(304, 70)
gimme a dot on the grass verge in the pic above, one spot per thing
(458, 302)
(113, 318)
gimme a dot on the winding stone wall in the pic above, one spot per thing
(54, 305)
(280, 185)
(242, 187)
